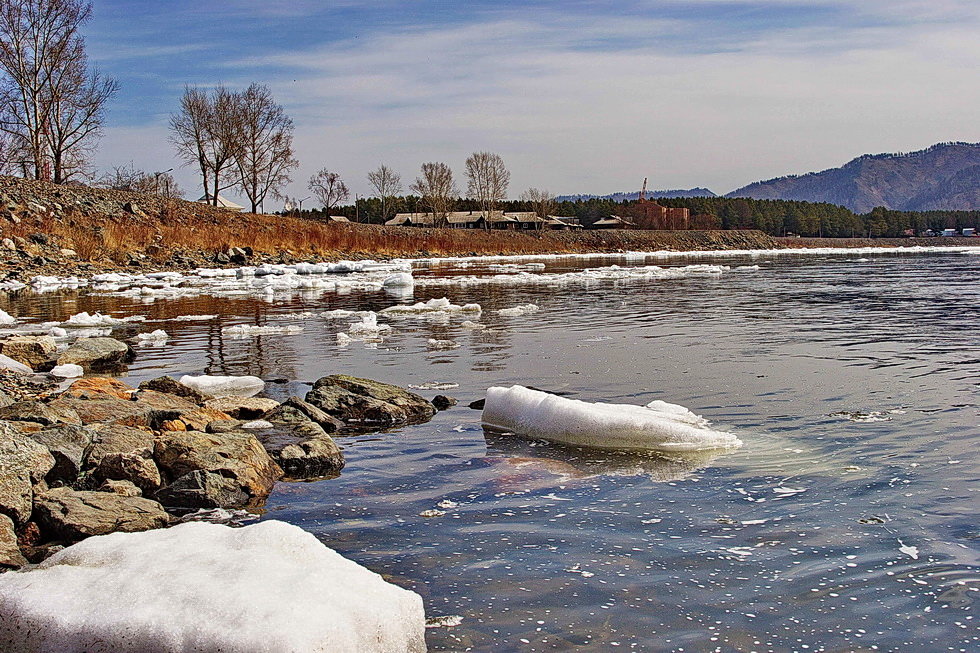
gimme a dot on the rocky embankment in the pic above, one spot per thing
(95, 456)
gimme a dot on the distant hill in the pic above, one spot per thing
(651, 194)
(943, 177)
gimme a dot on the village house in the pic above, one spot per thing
(524, 221)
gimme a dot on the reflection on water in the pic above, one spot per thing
(801, 540)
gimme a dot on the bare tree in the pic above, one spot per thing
(541, 202)
(264, 155)
(437, 189)
(129, 178)
(50, 104)
(329, 188)
(486, 181)
(387, 185)
(206, 133)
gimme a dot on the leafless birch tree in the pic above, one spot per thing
(387, 185)
(329, 188)
(51, 106)
(487, 179)
(264, 153)
(438, 190)
(541, 202)
(206, 133)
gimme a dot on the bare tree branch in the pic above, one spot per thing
(487, 181)
(387, 185)
(438, 190)
(264, 154)
(329, 188)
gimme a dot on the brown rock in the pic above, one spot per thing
(32, 351)
(169, 385)
(295, 409)
(67, 443)
(30, 410)
(113, 438)
(122, 488)
(133, 467)
(242, 407)
(10, 555)
(98, 354)
(94, 387)
(23, 465)
(68, 515)
(367, 403)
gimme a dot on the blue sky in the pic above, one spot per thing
(577, 96)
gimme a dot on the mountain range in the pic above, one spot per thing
(944, 177)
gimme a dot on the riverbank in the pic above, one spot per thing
(46, 229)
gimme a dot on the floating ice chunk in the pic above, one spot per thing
(343, 339)
(264, 587)
(516, 311)
(368, 326)
(476, 326)
(67, 371)
(605, 426)
(57, 332)
(434, 385)
(251, 330)
(153, 338)
(6, 318)
(438, 305)
(910, 551)
(225, 386)
(194, 318)
(8, 363)
(433, 343)
(97, 319)
(399, 280)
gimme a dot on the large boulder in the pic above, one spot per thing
(134, 467)
(109, 439)
(67, 443)
(295, 409)
(368, 404)
(169, 385)
(242, 407)
(94, 387)
(23, 465)
(32, 351)
(302, 449)
(10, 555)
(236, 456)
(201, 489)
(97, 354)
(104, 410)
(69, 515)
(205, 587)
(30, 410)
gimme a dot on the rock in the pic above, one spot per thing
(67, 444)
(7, 243)
(29, 350)
(442, 402)
(97, 354)
(364, 402)
(224, 426)
(23, 465)
(111, 438)
(242, 407)
(222, 258)
(8, 363)
(170, 386)
(10, 555)
(99, 386)
(133, 467)
(478, 404)
(295, 409)
(5, 399)
(68, 515)
(207, 587)
(237, 456)
(133, 208)
(302, 449)
(104, 410)
(122, 488)
(69, 371)
(30, 410)
(64, 251)
(201, 489)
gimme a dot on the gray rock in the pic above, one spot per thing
(97, 354)
(5, 399)
(23, 465)
(169, 385)
(236, 456)
(8, 363)
(133, 467)
(30, 410)
(201, 489)
(65, 514)
(442, 402)
(32, 351)
(295, 409)
(302, 449)
(367, 403)
(67, 443)
(122, 488)
(10, 555)
(112, 438)
(242, 407)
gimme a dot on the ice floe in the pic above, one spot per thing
(67, 371)
(252, 330)
(517, 311)
(206, 587)
(434, 343)
(84, 319)
(620, 427)
(440, 305)
(224, 386)
(153, 338)
(6, 319)
(194, 318)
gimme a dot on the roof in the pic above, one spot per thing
(223, 202)
(612, 220)
(337, 218)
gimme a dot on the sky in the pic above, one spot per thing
(576, 96)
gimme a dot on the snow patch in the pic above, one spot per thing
(67, 371)
(224, 386)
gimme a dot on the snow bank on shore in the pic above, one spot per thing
(206, 587)
(658, 426)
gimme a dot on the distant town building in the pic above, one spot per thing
(525, 221)
(223, 202)
(650, 215)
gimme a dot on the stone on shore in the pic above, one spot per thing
(39, 412)
(67, 443)
(201, 489)
(295, 409)
(32, 351)
(97, 354)
(302, 449)
(23, 465)
(367, 403)
(265, 587)
(132, 467)
(122, 488)
(69, 515)
(10, 555)
(108, 439)
(170, 386)
(236, 456)
(95, 387)
(244, 408)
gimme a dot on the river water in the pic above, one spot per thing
(846, 522)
